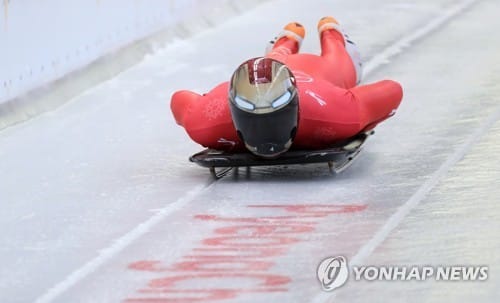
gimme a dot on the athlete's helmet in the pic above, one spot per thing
(264, 106)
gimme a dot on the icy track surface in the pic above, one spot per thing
(99, 202)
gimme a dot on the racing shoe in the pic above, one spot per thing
(328, 23)
(292, 30)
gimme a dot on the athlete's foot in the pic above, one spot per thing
(330, 24)
(293, 30)
(327, 23)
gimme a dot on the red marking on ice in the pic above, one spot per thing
(147, 266)
(265, 283)
(249, 241)
(209, 295)
(266, 280)
(259, 230)
(236, 252)
(316, 209)
(221, 265)
(260, 219)
(245, 248)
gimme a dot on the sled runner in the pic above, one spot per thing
(338, 158)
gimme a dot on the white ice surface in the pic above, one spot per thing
(104, 181)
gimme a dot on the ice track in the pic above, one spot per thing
(99, 202)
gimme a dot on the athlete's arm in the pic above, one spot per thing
(206, 118)
(377, 101)
(181, 103)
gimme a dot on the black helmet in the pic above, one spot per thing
(264, 106)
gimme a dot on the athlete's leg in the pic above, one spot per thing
(339, 51)
(353, 51)
(288, 42)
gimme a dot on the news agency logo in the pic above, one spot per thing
(333, 272)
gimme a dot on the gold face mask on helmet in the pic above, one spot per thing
(262, 85)
(264, 106)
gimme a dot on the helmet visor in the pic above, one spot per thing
(261, 86)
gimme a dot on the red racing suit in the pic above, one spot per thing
(331, 106)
